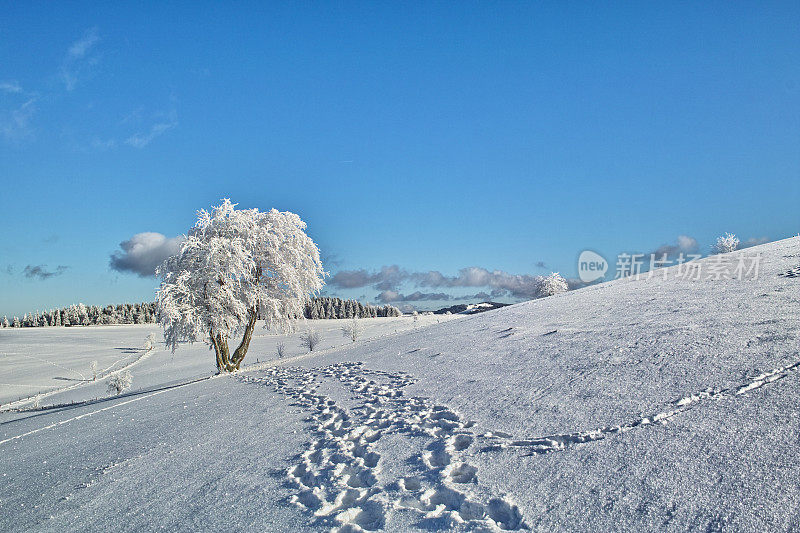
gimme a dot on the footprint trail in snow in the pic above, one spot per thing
(341, 479)
(552, 443)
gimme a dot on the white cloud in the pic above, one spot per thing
(143, 252)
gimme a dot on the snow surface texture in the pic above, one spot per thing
(635, 405)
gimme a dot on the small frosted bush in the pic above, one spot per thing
(150, 342)
(310, 339)
(726, 243)
(352, 330)
(553, 284)
(119, 382)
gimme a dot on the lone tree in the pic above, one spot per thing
(234, 267)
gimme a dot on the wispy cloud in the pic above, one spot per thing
(143, 252)
(12, 87)
(161, 126)
(40, 272)
(134, 117)
(15, 125)
(103, 144)
(79, 58)
(81, 47)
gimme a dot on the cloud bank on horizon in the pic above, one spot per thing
(143, 252)
(388, 280)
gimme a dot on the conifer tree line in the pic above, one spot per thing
(327, 307)
(146, 313)
(87, 315)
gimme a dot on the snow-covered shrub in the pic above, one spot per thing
(415, 316)
(352, 329)
(150, 342)
(726, 243)
(119, 382)
(281, 350)
(309, 339)
(234, 267)
(553, 284)
(93, 370)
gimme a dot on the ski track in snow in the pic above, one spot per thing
(338, 480)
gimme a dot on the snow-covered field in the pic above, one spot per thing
(55, 363)
(635, 405)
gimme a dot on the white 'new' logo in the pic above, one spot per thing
(591, 266)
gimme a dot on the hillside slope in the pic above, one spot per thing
(650, 404)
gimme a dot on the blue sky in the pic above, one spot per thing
(431, 136)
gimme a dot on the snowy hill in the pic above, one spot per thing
(634, 405)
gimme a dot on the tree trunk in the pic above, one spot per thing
(226, 362)
(220, 344)
(240, 352)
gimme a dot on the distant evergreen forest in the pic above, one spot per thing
(146, 313)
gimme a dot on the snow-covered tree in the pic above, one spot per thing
(236, 266)
(5, 322)
(553, 284)
(119, 382)
(281, 350)
(726, 243)
(93, 370)
(15, 323)
(352, 329)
